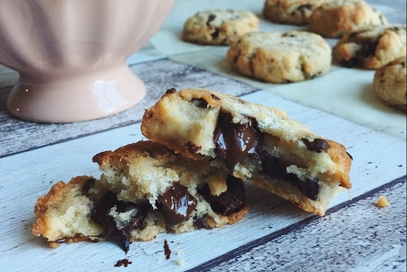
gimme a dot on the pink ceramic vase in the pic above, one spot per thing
(71, 54)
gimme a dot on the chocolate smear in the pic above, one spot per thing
(176, 204)
(235, 141)
(123, 262)
(167, 250)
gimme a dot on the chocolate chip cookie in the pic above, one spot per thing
(280, 58)
(145, 189)
(293, 12)
(219, 27)
(252, 142)
(390, 83)
(335, 18)
(371, 48)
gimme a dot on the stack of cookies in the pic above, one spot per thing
(189, 174)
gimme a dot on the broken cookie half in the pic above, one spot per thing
(145, 189)
(251, 141)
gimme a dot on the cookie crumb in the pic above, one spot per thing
(382, 202)
(180, 261)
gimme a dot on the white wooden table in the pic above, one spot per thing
(355, 235)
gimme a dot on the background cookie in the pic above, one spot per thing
(390, 83)
(219, 27)
(280, 58)
(335, 18)
(294, 12)
(371, 48)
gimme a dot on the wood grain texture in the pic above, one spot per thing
(160, 75)
(37, 169)
(375, 241)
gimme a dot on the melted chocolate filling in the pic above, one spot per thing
(235, 141)
(277, 168)
(228, 202)
(103, 213)
(176, 204)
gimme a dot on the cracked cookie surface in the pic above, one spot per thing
(219, 27)
(280, 58)
(333, 19)
(293, 12)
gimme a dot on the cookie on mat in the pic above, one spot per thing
(335, 18)
(293, 12)
(371, 48)
(280, 58)
(145, 189)
(390, 83)
(253, 142)
(219, 27)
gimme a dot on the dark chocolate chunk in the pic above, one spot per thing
(277, 168)
(228, 202)
(235, 141)
(198, 223)
(215, 34)
(317, 145)
(176, 204)
(104, 214)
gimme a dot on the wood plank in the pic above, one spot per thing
(36, 170)
(160, 75)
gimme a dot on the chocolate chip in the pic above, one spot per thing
(192, 148)
(215, 34)
(198, 223)
(215, 97)
(317, 145)
(106, 213)
(200, 103)
(176, 204)
(211, 17)
(87, 186)
(235, 141)
(228, 202)
(170, 91)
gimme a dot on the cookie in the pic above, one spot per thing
(252, 142)
(389, 83)
(145, 189)
(292, 12)
(335, 18)
(371, 48)
(280, 58)
(219, 27)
